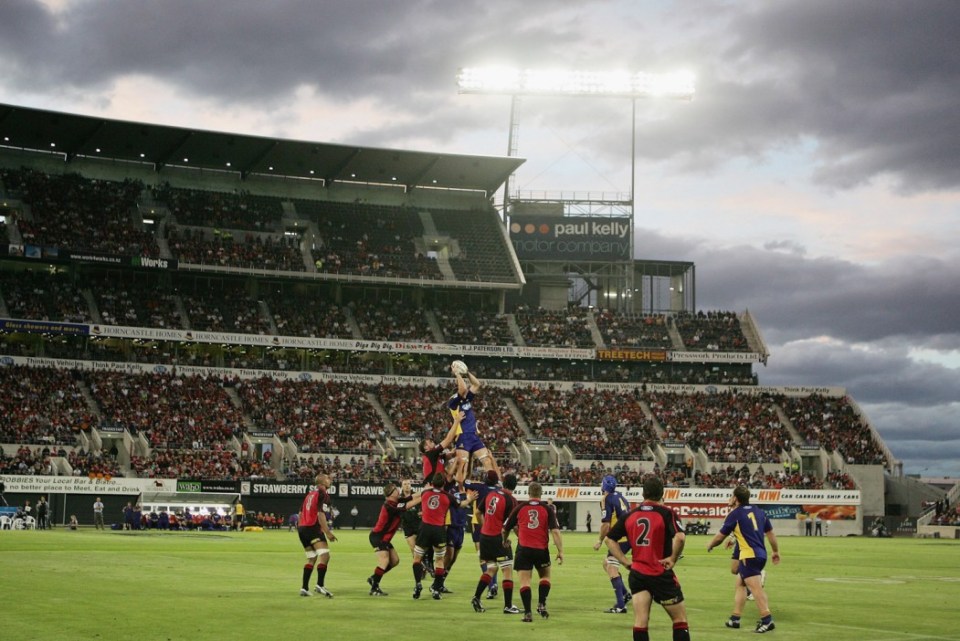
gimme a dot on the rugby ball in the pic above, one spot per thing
(458, 367)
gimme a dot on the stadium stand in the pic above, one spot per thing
(69, 211)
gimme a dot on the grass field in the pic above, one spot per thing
(170, 586)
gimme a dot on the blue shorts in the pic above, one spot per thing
(455, 536)
(751, 567)
(470, 442)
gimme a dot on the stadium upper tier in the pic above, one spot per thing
(69, 214)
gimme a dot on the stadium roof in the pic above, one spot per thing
(159, 145)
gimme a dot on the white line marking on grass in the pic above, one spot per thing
(910, 635)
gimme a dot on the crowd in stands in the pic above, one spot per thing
(26, 461)
(357, 468)
(593, 423)
(191, 422)
(714, 331)
(728, 427)
(306, 315)
(545, 328)
(136, 304)
(94, 464)
(69, 211)
(226, 310)
(172, 412)
(474, 327)
(41, 405)
(389, 322)
(369, 240)
(252, 251)
(43, 296)
(317, 416)
(833, 424)
(945, 514)
(213, 464)
(220, 210)
(640, 331)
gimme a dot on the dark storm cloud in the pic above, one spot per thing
(874, 83)
(251, 51)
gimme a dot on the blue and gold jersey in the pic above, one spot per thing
(613, 508)
(468, 425)
(749, 524)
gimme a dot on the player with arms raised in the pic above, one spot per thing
(469, 444)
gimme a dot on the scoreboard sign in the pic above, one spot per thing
(570, 238)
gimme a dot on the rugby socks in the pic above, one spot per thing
(767, 619)
(508, 593)
(418, 572)
(378, 573)
(641, 634)
(307, 571)
(440, 574)
(482, 585)
(681, 631)
(321, 573)
(619, 590)
(544, 591)
(524, 597)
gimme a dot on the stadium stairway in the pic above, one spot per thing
(788, 425)
(675, 337)
(434, 325)
(515, 330)
(267, 317)
(352, 322)
(4, 310)
(235, 399)
(595, 331)
(517, 415)
(382, 412)
(91, 305)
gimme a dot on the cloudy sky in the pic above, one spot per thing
(815, 178)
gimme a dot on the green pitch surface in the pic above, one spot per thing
(144, 586)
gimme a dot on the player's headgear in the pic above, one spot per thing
(609, 483)
(389, 489)
(492, 478)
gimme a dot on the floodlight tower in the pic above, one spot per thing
(591, 84)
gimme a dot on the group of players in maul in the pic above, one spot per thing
(650, 533)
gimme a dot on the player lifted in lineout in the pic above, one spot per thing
(468, 445)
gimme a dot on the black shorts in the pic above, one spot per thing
(310, 534)
(379, 544)
(530, 558)
(493, 549)
(664, 588)
(432, 536)
(410, 521)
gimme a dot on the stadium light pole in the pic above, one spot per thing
(568, 83)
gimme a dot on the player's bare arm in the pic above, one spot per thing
(604, 529)
(615, 550)
(558, 542)
(324, 527)
(679, 539)
(774, 547)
